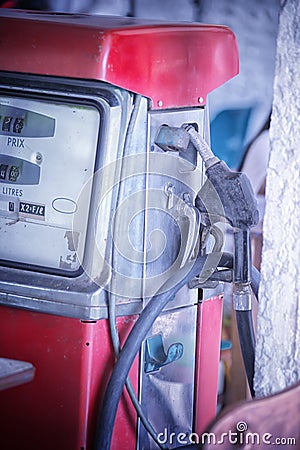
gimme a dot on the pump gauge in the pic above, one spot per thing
(47, 154)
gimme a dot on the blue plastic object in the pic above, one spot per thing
(228, 131)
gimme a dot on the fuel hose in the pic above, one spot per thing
(247, 343)
(130, 349)
(134, 341)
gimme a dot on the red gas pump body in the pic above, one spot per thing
(175, 66)
(72, 359)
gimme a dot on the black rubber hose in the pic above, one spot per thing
(245, 328)
(130, 349)
(247, 343)
(255, 280)
(246, 332)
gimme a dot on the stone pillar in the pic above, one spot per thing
(278, 334)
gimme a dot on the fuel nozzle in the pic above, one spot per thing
(238, 207)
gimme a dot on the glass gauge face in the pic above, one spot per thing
(18, 122)
(47, 154)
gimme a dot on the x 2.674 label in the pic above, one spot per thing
(32, 209)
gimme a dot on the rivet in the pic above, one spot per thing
(160, 103)
(38, 158)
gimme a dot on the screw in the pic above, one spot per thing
(38, 158)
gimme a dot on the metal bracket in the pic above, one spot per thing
(220, 276)
(155, 356)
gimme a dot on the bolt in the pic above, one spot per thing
(38, 158)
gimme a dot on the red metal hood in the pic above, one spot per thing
(175, 65)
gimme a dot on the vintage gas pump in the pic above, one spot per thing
(99, 178)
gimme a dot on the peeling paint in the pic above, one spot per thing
(69, 260)
(72, 239)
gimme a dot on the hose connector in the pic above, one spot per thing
(202, 147)
(242, 297)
